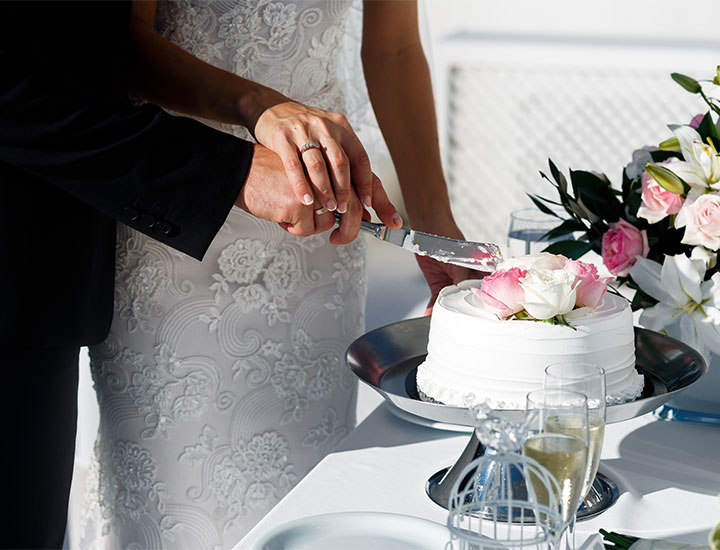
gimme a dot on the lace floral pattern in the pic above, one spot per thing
(223, 382)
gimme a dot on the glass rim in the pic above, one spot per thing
(582, 399)
(575, 366)
(533, 214)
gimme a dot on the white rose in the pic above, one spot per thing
(548, 293)
(701, 218)
(542, 260)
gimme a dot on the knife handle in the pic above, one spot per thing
(375, 229)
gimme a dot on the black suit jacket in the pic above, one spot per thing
(75, 156)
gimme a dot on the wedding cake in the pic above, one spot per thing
(491, 340)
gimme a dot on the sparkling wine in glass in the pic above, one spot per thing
(558, 440)
(588, 379)
(526, 231)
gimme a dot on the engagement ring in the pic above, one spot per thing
(309, 145)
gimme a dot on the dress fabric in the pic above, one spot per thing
(223, 382)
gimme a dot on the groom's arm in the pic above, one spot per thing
(169, 177)
(65, 120)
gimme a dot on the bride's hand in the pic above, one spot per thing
(323, 157)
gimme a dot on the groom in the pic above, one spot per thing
(75, 157)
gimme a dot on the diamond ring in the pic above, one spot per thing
(309, 145)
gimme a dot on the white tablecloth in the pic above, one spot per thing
(668, 475)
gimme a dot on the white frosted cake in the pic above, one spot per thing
(475, 356)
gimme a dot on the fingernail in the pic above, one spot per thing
(397, 220)
(331, 205)
(342, 207)
(308, 199)
(366, 201)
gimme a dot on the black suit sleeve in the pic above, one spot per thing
(170, 177)
(65, 120)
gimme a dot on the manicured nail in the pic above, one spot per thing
(308, 199)
(397, 220)
(342, 207)
(331, 205)
(366, 201)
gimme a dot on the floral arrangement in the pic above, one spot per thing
(542, 287)
(659, 233)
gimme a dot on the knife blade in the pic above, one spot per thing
(474, 255)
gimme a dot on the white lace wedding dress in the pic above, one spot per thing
(223, 382)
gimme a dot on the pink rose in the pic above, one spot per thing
(589, 288)
(501, 292)
(621, 244)
(702, 225)
(657, 203)
(696, 120)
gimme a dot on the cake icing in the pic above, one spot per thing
(474, 356)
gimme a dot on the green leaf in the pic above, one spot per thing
(568, 226)
(662, 156)
(707, 129)
(558, 175)
(546, 209)
(689, 83)
(572, 249)
(596, 195)
(641, 300)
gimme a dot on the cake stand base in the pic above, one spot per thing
(603, 494)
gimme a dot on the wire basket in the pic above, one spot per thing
(503, 500)
(507, 502)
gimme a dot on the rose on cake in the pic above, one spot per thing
(542, 287)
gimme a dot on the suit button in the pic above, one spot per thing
(147, 220)
(163, 227)
(131, 213)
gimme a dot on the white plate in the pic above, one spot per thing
(357, 531)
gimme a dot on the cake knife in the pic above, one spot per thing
(473, 255)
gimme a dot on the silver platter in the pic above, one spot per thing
(387, 358)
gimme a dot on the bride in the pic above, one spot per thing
(223, 382)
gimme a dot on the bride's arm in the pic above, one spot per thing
(165, 74)
(400, 90)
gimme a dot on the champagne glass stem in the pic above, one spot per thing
(570, 534)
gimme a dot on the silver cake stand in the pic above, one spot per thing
(386, 359)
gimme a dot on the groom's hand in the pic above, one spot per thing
(268, 194)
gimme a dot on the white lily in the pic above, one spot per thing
(701, 167)
(684, 297)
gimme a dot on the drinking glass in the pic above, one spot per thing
(558, 440)
(588, 379)
(526, 230)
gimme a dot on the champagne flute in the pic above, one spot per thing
(558, 440)
(588, 379)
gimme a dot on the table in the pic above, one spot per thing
(668, 475)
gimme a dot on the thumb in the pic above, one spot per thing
(384, 209)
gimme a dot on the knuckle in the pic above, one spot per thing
(340, 160)
(364, 158)
(293, 164)
(324, 124)
(299, 184)
(341, 119)
(315, 164)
